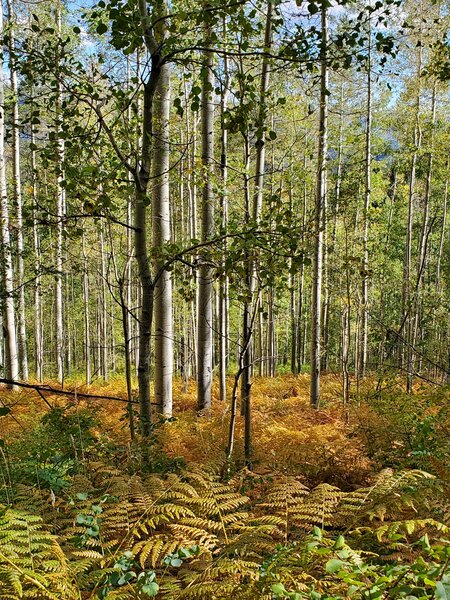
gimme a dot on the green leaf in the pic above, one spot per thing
(333, 565)
(151, 589)
(278, 588)
(442, 591)
(4, 410)
(176, 562)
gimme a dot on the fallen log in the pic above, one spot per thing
(73, 393)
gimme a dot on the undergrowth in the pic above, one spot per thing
(339, 504)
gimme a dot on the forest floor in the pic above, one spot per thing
(340, 503)
(339, 445)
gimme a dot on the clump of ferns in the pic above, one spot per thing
(392, 496)
(155, 518)
(32, 564)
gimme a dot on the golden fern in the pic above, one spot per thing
(32, 564)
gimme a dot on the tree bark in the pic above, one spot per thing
(61, 208)
(9, 315)
(407, 322)
(205, 308)
(365, 263)
(161, 235)
(38, 322)
(224, 284)
(248, 319)
(321, 191)
(17, 184)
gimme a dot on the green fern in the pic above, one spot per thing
(32, 564)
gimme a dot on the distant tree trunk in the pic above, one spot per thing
(442, 233)
(337, 202)
(22, 333)
(161, 235)
(104, 307)
(391, 194)
(249, 314)
(346, 324)
(205, 308)
(87, 339)
(365, 263)
(38, 322)
(9, 317)
(127, 289)
(192, 189)
(321, 191)
(293, 304)
(223, 290)
(424, 235)
(301, 294)
(407, 321)
(61, 208)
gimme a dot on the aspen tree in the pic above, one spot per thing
(17, 186)
(321, 191)
(367, 183)
(61, 209)
(249, 309)
(205, 308)
(9, 315)
(161, 224)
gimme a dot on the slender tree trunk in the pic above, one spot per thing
(407, 323)
(223, 290)
(301, 294)
(140, 221)
(365, 265)
(104, 306)
(161, 235)
(9, 316)
(38, 322)
(205, 308)
(87, 337)
(442, 233)
(423, 243)
(21, 329)
(146, 303)
(248, 320)
(321, 191)
(61, 206)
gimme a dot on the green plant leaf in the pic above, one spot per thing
(333, 565)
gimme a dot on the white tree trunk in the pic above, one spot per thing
(9, 317)
(104, 303)
(365, 265)
(61, 207)
(161, 235)
(224, 284)
(407, 321)
(22, 333)
(87, 335)
(38, 323)
(321, 191)
(205, 308)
